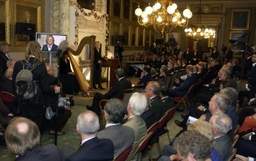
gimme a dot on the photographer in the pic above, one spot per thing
(118, 52)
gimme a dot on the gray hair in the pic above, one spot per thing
(120, 72)
(115, 110)
(3, 45)
(164, 68)
(138, 103)
(223, 101)
(88, 122)
(231, 93)
(189, 68)
(155, 87)
(222, 122)
(225, 72)
(10, 62)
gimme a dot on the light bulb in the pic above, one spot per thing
(149, 10)
(158, 5)
(138, 12)
(170, 9)
(159, 19)
(174, 6)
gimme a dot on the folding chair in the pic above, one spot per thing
(127, 94)
(123, 156)
(101, 105)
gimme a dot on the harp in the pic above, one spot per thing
(86, 88)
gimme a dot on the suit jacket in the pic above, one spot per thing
(149, 117)
(97, 57)
(223, 146)
(121, 136)
(168, 103)
(42, 153)
(215, 55)
(94, 149)
(183, 89)
(3, 60)
(118, 88)
(140, 131)
(54, 47)
(157, 106)
(145, 79)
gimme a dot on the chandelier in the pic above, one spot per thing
(198, 32)
(163, 16)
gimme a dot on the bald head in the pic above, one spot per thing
(87, 123)
(50, 70)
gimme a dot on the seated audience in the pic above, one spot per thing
(183, 88)
(23, 140)
(163, 71)
(166, 100)
(116, 91)
(145, 76)
(170, 67)
(5, 114)
(87, 126)
(136, 106)
(121, 136)
(67, 77)
(156, 108)
(221, 124)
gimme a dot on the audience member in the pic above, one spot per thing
(145, 76)
(246, 145)
(121, 136)
(166, 100)
(183, 88)
(170, 67)
(10, 64)
(136, 106)
(4, 57)
(116, 91)
(163, 71)
(34, 108)
(156, 107)
(251, 84)
(87, 126)
(5, 114)
(23, 139)
(214, 54)
(221, 125)
(193, 146)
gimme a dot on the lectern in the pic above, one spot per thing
(113, 65)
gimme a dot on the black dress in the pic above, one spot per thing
(68, 81)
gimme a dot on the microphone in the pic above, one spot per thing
(62, 46)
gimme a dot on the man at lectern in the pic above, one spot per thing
(97, 66)
(49, 46)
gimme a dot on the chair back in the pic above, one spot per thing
(127, 94)
(180, 73)
(153, 127)
(232, 156)
(143, 143)
(170, 113)
(102, 104)
(6, 96)
(174, 75)
(236, 129)
(234, 141)
(168, 80)
(138, 88)
(162, 121)
(161, 80)
(123, 156)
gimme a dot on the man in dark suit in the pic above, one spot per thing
(156, 107)
(214, 54)
(87, 126)
(187, 55)
(166, 100)
(23, 140)
(50, 46)
(116, 91)
(251, 83)
(195, 57)
(121, 136)
(177, 50)
(145, 76)
(4, 57)
(183, 88)
(246, 146)
(97, 66)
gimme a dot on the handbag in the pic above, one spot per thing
(49, 112)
